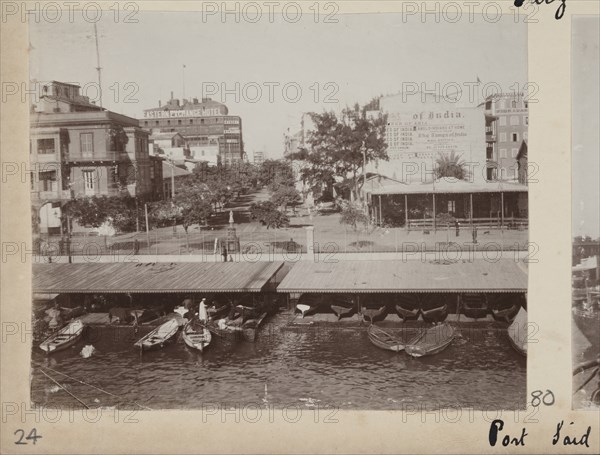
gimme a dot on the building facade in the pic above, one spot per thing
(205, 126)
(78, 149)
(507, 125)
(258, 157)
(422, 127)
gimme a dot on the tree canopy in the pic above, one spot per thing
(268, 215)
(340, 146)
(451, 166)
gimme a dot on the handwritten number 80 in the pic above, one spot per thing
(547, 399)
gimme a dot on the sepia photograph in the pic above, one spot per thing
(324, 211)
(585, 156)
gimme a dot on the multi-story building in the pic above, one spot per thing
(259, 157)
(507, 125)
(422, 128)
(79, 149)
(205, 126)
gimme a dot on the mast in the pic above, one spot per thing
(98, 67)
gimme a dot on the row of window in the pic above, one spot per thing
(202, 121)
(514, 120)
(504, 153)
(514, 137)
(507, 104)
(47, 146)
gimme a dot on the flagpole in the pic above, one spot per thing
(183, 81)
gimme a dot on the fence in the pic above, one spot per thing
(490, 223)
(166, 241)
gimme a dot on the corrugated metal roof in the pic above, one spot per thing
(158, 277)
(406, 276)
(451, 186)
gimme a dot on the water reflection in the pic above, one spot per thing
(305, 368)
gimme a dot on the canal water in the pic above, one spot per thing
(306, 367)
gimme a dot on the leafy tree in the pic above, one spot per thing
(266, 213)
(451, 166)
(119, 211)
(354, 216)
(275, 173)
(284, 196)
(342, 146)
(163, 213)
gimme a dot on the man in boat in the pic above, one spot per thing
(188, 304)
(54, 317)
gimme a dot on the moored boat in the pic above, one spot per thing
(407, 314)
(433, 315)
(196, 335)
(372, 315)
(431, 341)
(517, 332)
(474, 306)
(217, 312)
(305, 309)
(384, 340)
(341, 311)
(251, 326)
(159, 337)
(64, 338)
(587, 320)
(226, 329)
(505, 314)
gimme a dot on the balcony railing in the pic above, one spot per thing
(100, 155)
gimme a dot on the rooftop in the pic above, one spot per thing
(504, 275)
(158, 277)
(448, 185)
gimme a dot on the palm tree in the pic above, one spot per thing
(451, 166)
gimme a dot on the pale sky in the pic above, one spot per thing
(586, 116)
(362, 56)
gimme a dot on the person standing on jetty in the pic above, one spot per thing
(224, 253)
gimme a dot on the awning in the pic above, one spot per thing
(175, 277)
(478, 275)
(451, 186)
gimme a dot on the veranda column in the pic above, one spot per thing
(406, 211)
(502, 210)
(471, 197)
(434, 223)
(380, 216)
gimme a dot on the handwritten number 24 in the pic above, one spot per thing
(542, 398)
(32, 436)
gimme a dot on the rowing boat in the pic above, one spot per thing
(437, 314)
(371, 315)
(225, 328)
(505, 314)
(517, 332)
(64, 338)
(157, 338)
(341, 311)
(407, 314)
(384, 340)
(218, 312)
(250, 327)
(196, 335)
(474, 306)
(431, 341)
(305, 309)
